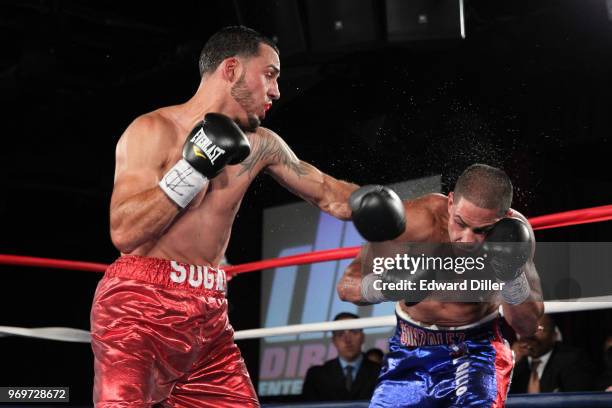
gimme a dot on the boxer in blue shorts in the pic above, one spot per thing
(448, 353)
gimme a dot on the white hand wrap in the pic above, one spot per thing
(182, 182)
(517, 290)
(368, 293)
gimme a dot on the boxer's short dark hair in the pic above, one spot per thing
(485, 186)
(345, 315)
(231, 42)
(375, 351)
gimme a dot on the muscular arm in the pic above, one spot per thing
(327, 193)
(349, 286)
(524, 317)
(140, 211)
(420, 226)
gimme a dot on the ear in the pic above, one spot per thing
(450, 201)
(230, 69)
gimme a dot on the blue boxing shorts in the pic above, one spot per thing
(427, 366)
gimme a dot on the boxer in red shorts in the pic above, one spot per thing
(160, 331)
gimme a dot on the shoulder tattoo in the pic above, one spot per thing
(273, 150)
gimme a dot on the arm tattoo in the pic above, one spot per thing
(273, 150)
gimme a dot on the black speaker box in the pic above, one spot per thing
(335, 24)
(409, 20)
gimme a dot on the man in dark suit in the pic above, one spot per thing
(550, 366)
(350, 376)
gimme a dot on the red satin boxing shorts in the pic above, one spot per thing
(160, 335)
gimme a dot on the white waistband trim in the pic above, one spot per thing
(404, 316)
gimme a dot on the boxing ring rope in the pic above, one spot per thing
(82, 336)
(18, 260)
(556, 220)
(573, 217)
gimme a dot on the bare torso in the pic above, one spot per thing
(434, 311)
(200, 233)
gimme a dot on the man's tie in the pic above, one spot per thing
(348, 379)
(534, 380)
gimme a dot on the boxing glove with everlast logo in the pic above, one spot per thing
(214, 143)
(378, 213)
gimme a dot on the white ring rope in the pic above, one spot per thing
(82, 336)
(49, 333)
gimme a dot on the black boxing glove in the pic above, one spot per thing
(214, 143)
(378, 213)
(508, 247)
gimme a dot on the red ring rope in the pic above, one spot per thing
(562, 219)
(51, 263)
(573, 217)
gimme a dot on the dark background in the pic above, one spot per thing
(527, 90)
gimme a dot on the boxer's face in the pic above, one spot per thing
(256, 87)
(468, 222)
(348, 343)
